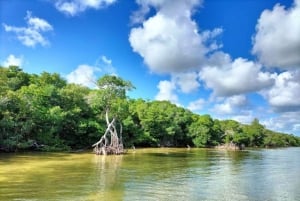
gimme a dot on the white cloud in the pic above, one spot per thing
(170, 41)
(196, 105)
(287, 122)
(139, 15)
(32, 34)
(174, 7)
(106, 66)
(238, 100)
(285, 94)
(74, 7)
(166, 91)
(296, 127)
(84, 75)
(245, 118)
(183, 82)
(12, 60)
(224, 108)
(187, 82)
(231, 105)
(37, 23)
(106, 60)
(236, 77)
(277, 41)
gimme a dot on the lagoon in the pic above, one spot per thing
(152, 174)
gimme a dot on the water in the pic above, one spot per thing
(153, 174)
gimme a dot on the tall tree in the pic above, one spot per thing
(111, 96)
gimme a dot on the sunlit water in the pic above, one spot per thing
(153, 174)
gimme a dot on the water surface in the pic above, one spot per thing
(153, 174)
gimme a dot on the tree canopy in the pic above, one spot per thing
(45, 112)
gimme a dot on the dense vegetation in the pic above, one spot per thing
(46, 113)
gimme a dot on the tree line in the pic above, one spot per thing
(46, 113)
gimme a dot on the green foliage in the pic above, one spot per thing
(16, 78)
(275, 139)
(233, 133)
(43, 112)
(110, 96)
(162, 123)
(113, 88)
(205, 132)
(255, 133)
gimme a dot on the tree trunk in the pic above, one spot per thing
(114, 145)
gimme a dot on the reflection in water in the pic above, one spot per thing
(153, 174)
(107, 181)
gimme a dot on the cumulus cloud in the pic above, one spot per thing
(187, 82)
(245, 118)
(12, 60)
(139, 15)
(285, 94)
(84, 75)
(287, 122)
(231, 105)
(32, 34)
(236, 77)
(277, 41)
(167, 91)
(179, 82)
(170, 41)
(74, 7)
(196, 105)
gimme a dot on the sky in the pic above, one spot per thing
(230, 59)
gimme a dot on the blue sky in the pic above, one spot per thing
(231, 59)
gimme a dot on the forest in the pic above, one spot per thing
(43, 112)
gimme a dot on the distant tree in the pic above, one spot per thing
(217, 133)
(80, 128)
(255, 133)
(201, 131)
(233, 133)
(45, 112)
(136, 133)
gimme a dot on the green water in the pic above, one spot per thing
(152, 174)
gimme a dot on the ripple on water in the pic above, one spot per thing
(153, 174)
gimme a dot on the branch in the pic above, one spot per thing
(106, 131)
